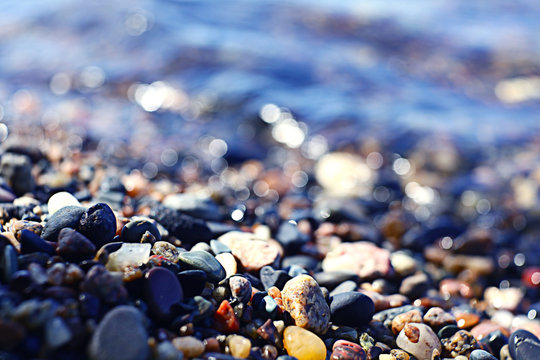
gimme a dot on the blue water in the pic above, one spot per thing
(367, 66)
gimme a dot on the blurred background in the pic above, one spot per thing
(304, 74)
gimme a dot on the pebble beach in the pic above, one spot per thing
(186, 215)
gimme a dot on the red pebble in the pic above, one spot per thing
(346, 350)
(224, 318)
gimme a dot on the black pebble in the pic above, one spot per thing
(271, 277)
(134, 230)
(332, 279)
(98, 224)
(290, 237)
(448, 331)
(192, 281)
(495, 340)
(8, 262)
(183, 227)
(31, 242)
(524, 345)
(201, 260)
(162, 292)
(66, 217)
(481, 355)
(73, 246)
(351, 308)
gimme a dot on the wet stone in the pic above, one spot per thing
(201, 260)
(524, 345)
(98, 224)
(271, 277)
(120, 335)
(66, 217)
(418, 340)
(305, 302)
(166, 250)
(74, 246)
(192, 281)
(162, 292)
(303, 344)
(351, 308)
(252, 252)
(134, 230)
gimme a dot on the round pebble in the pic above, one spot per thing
(201, 260)
(98, 224)
(481, 355)
(61, 199)
(419, 340)
(134, 230)
(351, 308)
(303, 344)
(239, 346)
(162, 292)
(190, 346)
(524, 345)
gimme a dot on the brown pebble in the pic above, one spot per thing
(467, 320)
(211, 345)
(412, 333)
(461, 343)
(399, 322)
(436, 317)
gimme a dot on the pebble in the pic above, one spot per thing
(403, 263)
(66, 217)
(224, 318)
(344, 174)
(461, 343)
(415, 286)
(271, 277)
(523, 345)
(332, 279)
(134, 230)
(418, 340)
(346, 350)
(194, 205)
(218, 247)
(252, 252)
(399, 322)
(202, 260)
(162, 292)
(437, 318)
(166, 250)
(128, 256)
(30, 242)
(61, 199)
(239, 346)
(240, 288)
(73, 246)
(303, 344)
(346, 286)
(228, 262)
(362, 258)
(8, 263)
(98, 224)
(16, 169)
(467, 320)
(56, 333)
(184, 227)
(190, 346)
(481, 355)
(290, 237)
(304, 300)
(105, 285)
(20, 225)
(166, 351)
(351, 308)
(120, 335)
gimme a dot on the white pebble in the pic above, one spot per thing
(61, 199)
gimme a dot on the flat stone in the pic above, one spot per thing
(303, 344)
(419, 340)
(162, 292)
(524, 345)
(304, 300)
(74, 246)
(352, 309)
(120, 335)
(362, 258)
(252, 252)
(201, 260)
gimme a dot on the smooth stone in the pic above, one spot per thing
(56, 333)
(104, 284)
(295, 270)
(218, 247)
(351, 308)
(332, 279)
(98, 224)
(74, 246)
(386, 316)
(363, 258)
(524, 345)
(30, 242)
(190, 346)
(66, 217)
(448, 331)
(419, 340)
(228, 262)
(166, 351)
(346, 286)
(437, 318)
(128, 255)
(252, 251)
(194, 205)
(399, 322)
(290, 237)
(481, 355)
(8, 262)
(239, 346)
(193, 282)
(162, 292)
(240, 288)
(184, 227)
(202, 246)
(303, 344)
(120, 335)
(303, 299)
(271, 277)
(346, 350)
(61, 199)
(134, 230)
(201, 260)
(225, 319)
(495, 340)
(307, 262)
(415, 286)
(166, 250)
